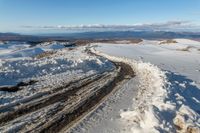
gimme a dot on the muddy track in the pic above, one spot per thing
(41, 102)
(60, 108)
(17, 87)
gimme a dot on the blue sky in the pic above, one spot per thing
(15, 14)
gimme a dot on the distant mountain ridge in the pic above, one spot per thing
(101, 35)
(8, 34)
(138, 34)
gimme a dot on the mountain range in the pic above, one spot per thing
(101, 35)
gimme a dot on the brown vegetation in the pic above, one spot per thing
(45, 54)
(169, 41)
(185, 49)
(113, 41)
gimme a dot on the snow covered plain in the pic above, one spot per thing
(164, 96)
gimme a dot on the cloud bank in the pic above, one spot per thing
(167, 26)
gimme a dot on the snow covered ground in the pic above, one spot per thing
(49, 64)
(63, 80)
(164, 96)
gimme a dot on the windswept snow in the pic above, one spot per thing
(167, 84)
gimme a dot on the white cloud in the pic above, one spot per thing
(167, 26)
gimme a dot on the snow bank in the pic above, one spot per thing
(154, 110)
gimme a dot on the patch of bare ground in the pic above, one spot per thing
(113, 41)
(18, 86)
(127, 41)
(135, 41)
(186, 49)
(45, 54)
(182, 127)
(169, 41)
